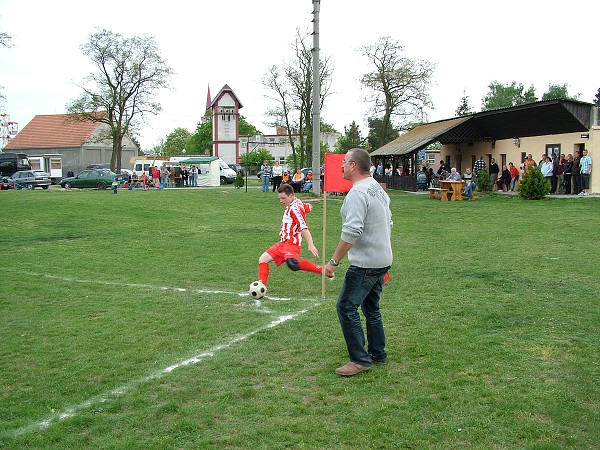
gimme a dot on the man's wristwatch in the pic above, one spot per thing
(333, 262)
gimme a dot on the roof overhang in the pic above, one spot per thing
(532, 119)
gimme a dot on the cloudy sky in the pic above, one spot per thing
(234, 42)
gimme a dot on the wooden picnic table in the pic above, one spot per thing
(454, 188)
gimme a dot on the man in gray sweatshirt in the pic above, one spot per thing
(366, 238)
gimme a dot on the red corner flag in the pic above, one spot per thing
(334, 178)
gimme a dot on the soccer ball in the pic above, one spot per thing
(257, 289)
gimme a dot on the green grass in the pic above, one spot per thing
(122, 326)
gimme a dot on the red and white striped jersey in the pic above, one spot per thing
(294, 221)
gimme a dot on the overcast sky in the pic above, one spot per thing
(472, 43)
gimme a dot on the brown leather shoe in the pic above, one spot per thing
(350, 369)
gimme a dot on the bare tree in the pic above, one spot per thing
(398, 87)
(5, 41)
(121, 92)
(291, 89)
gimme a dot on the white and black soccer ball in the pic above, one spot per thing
(257, 289)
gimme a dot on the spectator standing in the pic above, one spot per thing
(586, 170)
(547, 167)
(494, 172)
(70, 173)
(164, 175)
(554, 178)
(560, 175)
(277, 171)
(576, 173)
(265, 175)
(185, 176)
(366, 239)
(529, 164)
(479, 166)
(567, 172)
(194, 176)
(514, 176)
(155, 176)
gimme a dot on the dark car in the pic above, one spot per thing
(98, 166)
(28, 179)
(238, 168)
(91, 178)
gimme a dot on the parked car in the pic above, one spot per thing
(91, 178)
(98, 166)
(238, 168)
(30, 179)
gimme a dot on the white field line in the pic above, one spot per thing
(121, 390)
(140, 285)
(102, 398)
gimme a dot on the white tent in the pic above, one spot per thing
(209, 169)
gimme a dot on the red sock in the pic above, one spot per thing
(386, 277)
(309, 266)
(263, 272)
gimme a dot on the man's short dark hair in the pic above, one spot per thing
(362, 159)
(285, 189)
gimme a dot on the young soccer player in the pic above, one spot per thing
(293, 229)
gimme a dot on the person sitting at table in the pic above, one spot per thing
(504, 179)
(470, 185)
(454, 175)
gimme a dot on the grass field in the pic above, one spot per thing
(125, 324)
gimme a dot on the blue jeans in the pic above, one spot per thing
(469, 189)
(265, 183)
(362, 288)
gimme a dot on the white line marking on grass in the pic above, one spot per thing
(139, 285)
(102, 398)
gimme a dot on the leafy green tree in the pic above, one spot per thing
(120, 93)
(256, 157)
(483, 181)
(326, 127)
(559, 92)
(504, 96)
(398, 88)
(464, 109)
(350, 139)
(176, 141)
(533, 185)
(378, 134)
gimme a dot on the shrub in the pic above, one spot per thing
(533, 185)
(239, 180)
(483, 181)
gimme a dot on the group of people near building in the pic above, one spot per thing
(165, 176)
(277, 175)
(568, 175)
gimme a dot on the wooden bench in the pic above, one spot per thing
(433, 192)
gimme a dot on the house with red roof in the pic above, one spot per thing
(79, 142)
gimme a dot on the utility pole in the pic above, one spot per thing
(316, 94)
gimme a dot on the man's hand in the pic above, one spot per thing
(313, 250)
